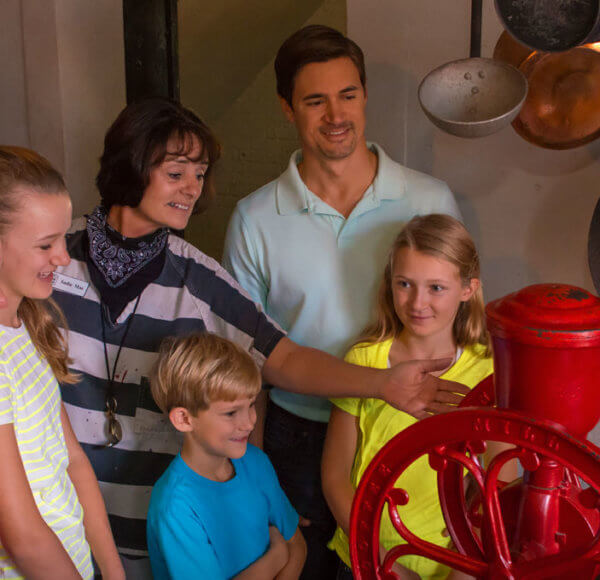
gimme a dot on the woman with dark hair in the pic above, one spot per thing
(131, 283)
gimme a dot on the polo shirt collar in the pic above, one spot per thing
(291, 192)
(294, 197)
(390, 181)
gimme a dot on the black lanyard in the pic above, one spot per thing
(115, 433)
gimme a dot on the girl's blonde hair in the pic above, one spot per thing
(444, 237)
(194, 371)
(24, 171)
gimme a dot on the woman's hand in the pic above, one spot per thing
(410, 387)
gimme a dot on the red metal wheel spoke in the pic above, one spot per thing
(446, 439)
(472, 466)
(498, 551)
(445, 556)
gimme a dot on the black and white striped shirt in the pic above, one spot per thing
(192, 293)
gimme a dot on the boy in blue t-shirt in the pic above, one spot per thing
(218, 511)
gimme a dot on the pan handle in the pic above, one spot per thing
(594, 247)
(476, 15)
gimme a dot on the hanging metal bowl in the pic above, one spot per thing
(473, 97)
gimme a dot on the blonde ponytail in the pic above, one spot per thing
(41, 318)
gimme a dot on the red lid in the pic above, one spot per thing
(547, 314)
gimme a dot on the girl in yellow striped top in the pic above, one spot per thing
(50, 503)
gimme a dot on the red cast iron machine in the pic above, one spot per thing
(546, 524)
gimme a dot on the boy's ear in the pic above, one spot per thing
(470, 289)
(180, 418)
(287, 110)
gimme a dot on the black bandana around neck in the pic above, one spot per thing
(116, 257)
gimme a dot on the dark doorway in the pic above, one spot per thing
(151, 57)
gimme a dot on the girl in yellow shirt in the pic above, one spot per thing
(430, 306)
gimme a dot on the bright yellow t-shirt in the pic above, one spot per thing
(380, 422)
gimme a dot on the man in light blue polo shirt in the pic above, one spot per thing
(311, 247)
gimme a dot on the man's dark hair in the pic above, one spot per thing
(137, 142)
(315, 43)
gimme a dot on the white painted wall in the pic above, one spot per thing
(13, 113)
(528, 208)
(63, 83)
(91, 54)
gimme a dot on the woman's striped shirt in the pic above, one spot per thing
(191, 294)
(30, 400)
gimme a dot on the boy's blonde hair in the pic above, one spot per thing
(196, 370)
(444, 237)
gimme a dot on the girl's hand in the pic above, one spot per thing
(410, 387)
(456, 575)
(401, 572)
(117, 574)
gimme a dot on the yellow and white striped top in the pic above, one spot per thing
(30, 400)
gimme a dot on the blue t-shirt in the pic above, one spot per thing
(199, 528)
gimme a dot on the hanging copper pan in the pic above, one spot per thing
(562, 108)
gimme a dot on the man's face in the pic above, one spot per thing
(328, 108)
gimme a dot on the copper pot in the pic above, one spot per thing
(562, 108)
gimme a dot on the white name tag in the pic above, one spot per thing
(69, 284)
